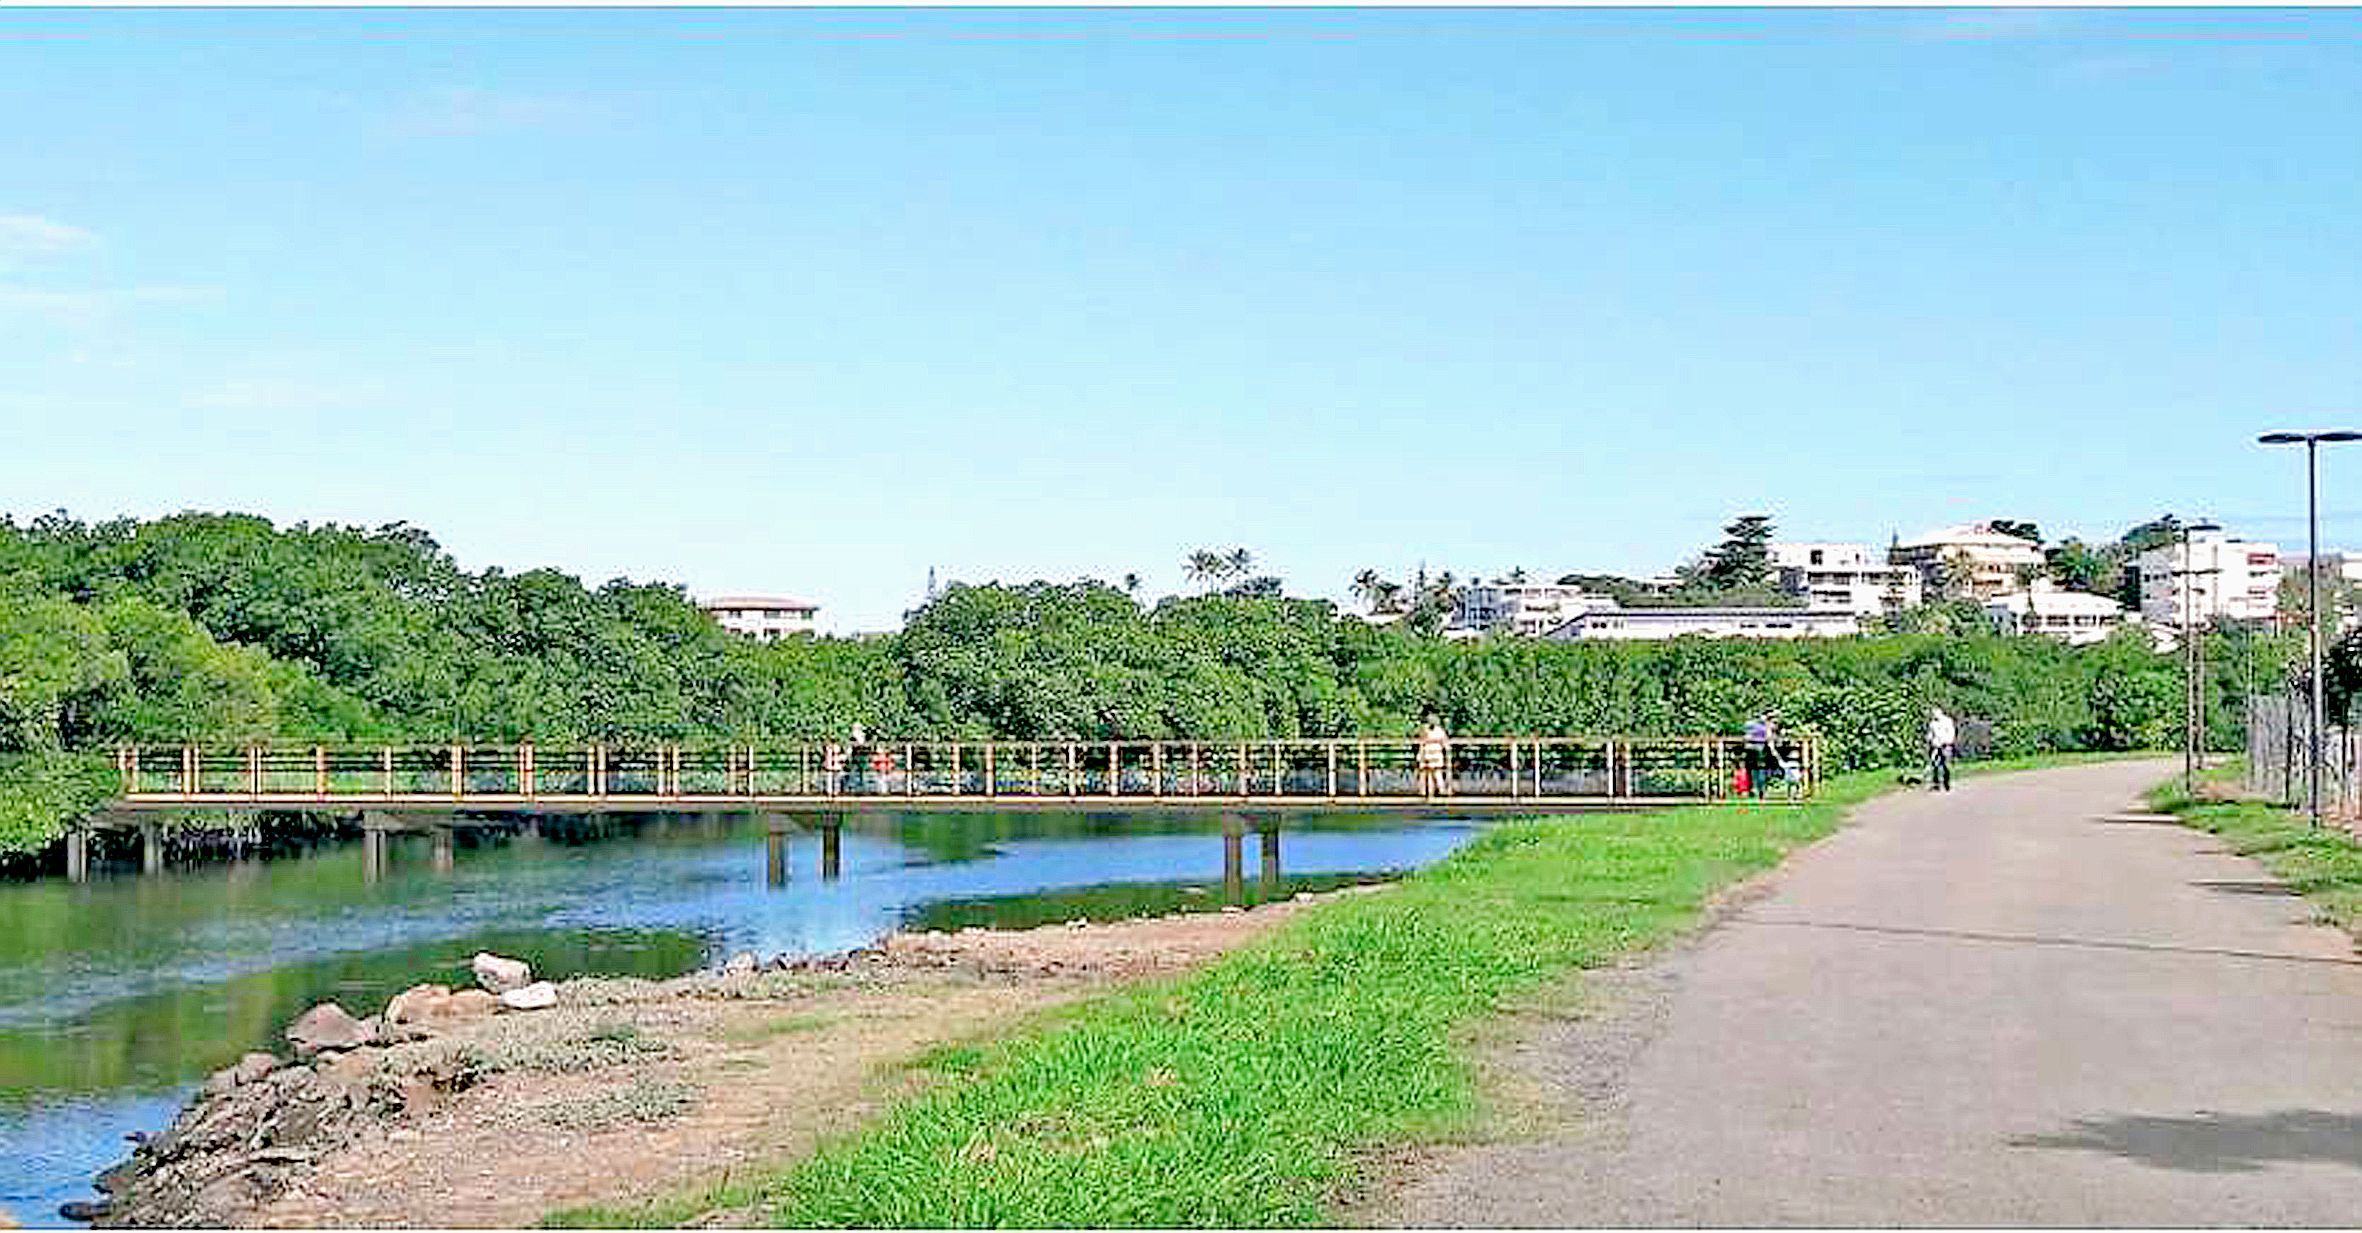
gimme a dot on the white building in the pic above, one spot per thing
(1654, 624)
(1851, 578)
(1528, 609)
(2231, 580)
(764, 617)
(2074, 617)
(1993, 560)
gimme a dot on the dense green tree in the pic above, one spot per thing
(204, 627)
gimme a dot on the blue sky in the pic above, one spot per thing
(808, 302)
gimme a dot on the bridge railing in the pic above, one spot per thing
(1344, 770)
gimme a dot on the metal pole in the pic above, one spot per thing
(2313, 611)
(2189, 677)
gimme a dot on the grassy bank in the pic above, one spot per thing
(2324, 865)
(1243, 1094)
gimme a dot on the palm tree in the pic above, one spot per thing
(1365, 587)
(1517, 576)
(1204, 566)
(1131, 584)
(1239, 563)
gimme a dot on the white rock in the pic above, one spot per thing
(500, 975)
(540, 995)
(742, 963)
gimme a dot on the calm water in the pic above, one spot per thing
(119, 996)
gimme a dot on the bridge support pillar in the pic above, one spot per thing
(151, 849)
(832, 855)
(1270, 838)
(374, 828)
(775, 833)
(77, 855)
(1234, 858)
(446, 846)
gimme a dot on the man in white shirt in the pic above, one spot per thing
(1940, 737)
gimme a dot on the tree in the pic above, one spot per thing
(2078, 566)
(1743, 559)
(1205, 567)
(2019, 530)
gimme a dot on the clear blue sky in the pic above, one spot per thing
(808, 302)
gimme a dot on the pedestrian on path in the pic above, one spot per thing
(1434, 759)
(1763, 754)
(1942, 735)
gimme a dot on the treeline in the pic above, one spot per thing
(226, 628)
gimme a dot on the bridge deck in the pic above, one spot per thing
(1483, 774)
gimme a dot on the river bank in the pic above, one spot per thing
(626, 1087)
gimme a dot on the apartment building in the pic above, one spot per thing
(1527, 609)
(1994, 561)
(1853, 578)
(2073, 617)
(2218, 578)
(766, 618)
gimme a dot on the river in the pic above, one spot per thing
(118, 996)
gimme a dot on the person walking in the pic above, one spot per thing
(1762, 755)
(1942, 735)
(1434, 759)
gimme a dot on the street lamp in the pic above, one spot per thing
(2312, 443)
(2193, 663)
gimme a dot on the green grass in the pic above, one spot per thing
(2324, 865)
(1246, 1094)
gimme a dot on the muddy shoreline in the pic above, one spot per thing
(623, 1090)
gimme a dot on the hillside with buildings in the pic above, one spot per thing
(2160, 578)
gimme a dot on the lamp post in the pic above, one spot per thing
(2193, 663)
(2312, 443)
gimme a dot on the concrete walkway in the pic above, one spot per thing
(1995, 1006)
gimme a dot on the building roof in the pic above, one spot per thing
(1980, 534)
(1713, 614)
(760, 602)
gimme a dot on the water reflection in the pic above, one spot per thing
(118, 995)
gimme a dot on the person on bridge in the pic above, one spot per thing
(832, 763)
(1942, 735)
(1434, 760)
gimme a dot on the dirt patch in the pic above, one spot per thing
(628, 1089)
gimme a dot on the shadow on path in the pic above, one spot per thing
(2216, 1142)
(2035, 939)
(2260, 886)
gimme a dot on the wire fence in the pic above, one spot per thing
(2279, 735)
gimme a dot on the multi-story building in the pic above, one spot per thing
(2074, 617)
(1992, 563)
(1528, 609)
(1851, 578)
(2219, 578)
(1650, 624)
(2341, 578)
(767, 618)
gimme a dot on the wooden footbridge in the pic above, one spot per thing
(398, 788)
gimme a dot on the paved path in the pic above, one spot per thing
(1987, 1007)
